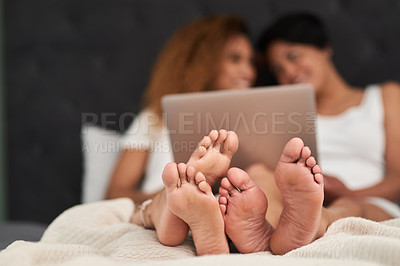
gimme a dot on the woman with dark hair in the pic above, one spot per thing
(211, 53)
(297, 50)
(358, 149)
(357, 128)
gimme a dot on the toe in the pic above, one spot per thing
(205, 187)
(305, 154)
(182, 173)
(223, 200)
(231, 144)
(227, 185)
(205, 142)
(311, 162)
(223, 205)
(239, 179)
(199, 177)
(223, 192)
(190, 174)
(319, 178)
(213, 136)
(199, 152)
(222, 208)
(222, 135)
(170, 176)
(292, 150)
(316, 169)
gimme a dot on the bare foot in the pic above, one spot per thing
(190, 198)
(209, 159)
(171, 230)
(243, 206)
(214, 154)
(300, 181)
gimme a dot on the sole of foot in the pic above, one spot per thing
(190, 198)
(244, 205)
(300, 181)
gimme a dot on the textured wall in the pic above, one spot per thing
(67, 57)
(3, 189)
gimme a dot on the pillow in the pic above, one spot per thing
(101, 149)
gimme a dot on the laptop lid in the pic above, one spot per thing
(264, 118)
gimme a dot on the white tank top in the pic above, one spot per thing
(351, 145)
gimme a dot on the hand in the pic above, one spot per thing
(334, 189)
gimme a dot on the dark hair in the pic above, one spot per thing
(304, 28)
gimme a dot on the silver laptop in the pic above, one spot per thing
(264, 118)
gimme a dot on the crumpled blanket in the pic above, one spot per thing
(100, 234)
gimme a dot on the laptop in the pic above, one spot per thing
(264, 118)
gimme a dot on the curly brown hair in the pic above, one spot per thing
(189, 60)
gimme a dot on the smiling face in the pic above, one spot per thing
(236, 70)
(298, 63)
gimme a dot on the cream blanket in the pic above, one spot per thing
(100, 234)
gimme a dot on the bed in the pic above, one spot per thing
(12, 231)
(99, 233)
(71, 63)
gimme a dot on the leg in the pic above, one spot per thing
(190, 198)
(209, 159)
(243, 206)
(358, 207)
(375, 213)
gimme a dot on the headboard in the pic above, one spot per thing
(69, 58)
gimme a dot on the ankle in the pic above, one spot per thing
(145, 214)
(327, 219)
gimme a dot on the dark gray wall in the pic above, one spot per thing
(3, 188)
(68, 57)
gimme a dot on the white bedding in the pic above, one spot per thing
(100, 234)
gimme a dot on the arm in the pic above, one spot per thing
(127, 176)
(389, 188)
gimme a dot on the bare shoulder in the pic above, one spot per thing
(390, 88)
(391, 101)
(391, 95)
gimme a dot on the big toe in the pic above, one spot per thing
(231, 144)
(239, 178)
(292, 150)
(170, 176)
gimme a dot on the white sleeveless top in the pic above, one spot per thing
(351, 145)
